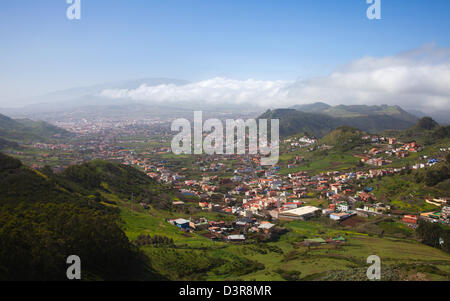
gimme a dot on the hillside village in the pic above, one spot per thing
(232, 144)
(260, 196)
(325, 194)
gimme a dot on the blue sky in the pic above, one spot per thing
(42, 51)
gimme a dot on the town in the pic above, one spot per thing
(257, 196)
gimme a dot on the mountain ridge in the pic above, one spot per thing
(356, 110)
(321, 122)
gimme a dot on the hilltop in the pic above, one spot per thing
(123, 181)
(26, 129)
(317, 107)
(426, 131)
(296, 122)
(320, 119)
(426, 123)
(343, 138)
(350, 111)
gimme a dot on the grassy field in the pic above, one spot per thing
(153, 222)
(353, 254)
(196, 258)
(332, 161)
(404, 193)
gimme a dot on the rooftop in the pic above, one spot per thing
(302, 210)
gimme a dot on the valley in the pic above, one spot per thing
(226, 217)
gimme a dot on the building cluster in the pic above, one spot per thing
(442, 216)
(245, 189)
(235, 231)
(260, 193)
(386, 148)
(298, 143)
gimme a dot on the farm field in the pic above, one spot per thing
(285, 259)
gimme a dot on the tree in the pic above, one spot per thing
(427, 123)
(429, 233)
(446, 237)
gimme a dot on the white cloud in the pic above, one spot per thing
(215, 90)
(418, 79)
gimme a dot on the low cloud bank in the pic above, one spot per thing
(417, 79)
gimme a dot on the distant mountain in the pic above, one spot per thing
(70, 99)
(25, 129)
(86, 102)
(295, 122)
(318, 107)
(369, 119)
(417, 113)
(357, 111)
(140, 112)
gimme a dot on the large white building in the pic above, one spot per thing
(301, 213)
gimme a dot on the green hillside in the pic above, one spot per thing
(426, 131)
(343, 138)
(28, 130)
(91, 210)
(45, 218)
(192, 257)
(7, 144)
(409, 191)
(296, 122)
(405, 191)
(319, 124)
(42, 128)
